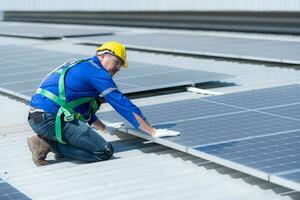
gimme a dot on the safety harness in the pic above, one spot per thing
(66, 109)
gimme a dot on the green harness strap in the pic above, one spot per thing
(67, 108)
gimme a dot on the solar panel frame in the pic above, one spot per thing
(216, 46)
(290, 180)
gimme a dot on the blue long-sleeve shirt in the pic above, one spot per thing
(87, 79)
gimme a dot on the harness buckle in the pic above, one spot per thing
(69, 118)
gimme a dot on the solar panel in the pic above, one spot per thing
(262, 98)
(291, 179)
(220, 46)
(216, 125)
(48, 31)
(175, 77)
(231, 127)
(176, 111)
(29, 75)
(292, 111)
(270, 154)
(256, 132)
(8, 192)
(20, 86)
(23, 73)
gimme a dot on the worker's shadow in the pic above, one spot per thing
(125, 143)
(120, 148)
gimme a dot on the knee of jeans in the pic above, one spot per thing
(105, 153)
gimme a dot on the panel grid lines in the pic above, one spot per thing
(8, 192)
(40, 62)
(220, 46)
(258, 132)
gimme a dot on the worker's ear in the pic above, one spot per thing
(101, 57)
(104, 61)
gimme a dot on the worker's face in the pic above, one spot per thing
(111, 63)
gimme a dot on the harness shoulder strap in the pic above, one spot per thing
(66, 108)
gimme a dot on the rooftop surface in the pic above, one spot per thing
(139, 169)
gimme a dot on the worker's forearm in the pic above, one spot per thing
(99, 125)
(144, 125)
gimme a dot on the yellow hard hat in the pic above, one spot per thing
(115, 48)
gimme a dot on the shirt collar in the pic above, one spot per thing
(98, 63)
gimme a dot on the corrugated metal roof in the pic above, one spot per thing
(154, 5)
(140, 169)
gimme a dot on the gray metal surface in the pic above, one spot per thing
(290, 179)
(263, 21)
(24, 73)
(235, 122)
(47, 31)
(139, 171)
(216, 46)
(8, 192)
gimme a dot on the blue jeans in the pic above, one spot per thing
(83, 142)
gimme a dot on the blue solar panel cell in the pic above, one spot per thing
(176, 111)
(139, 79)
(270, 154)
(263, 98)
(257, 130)
(292, 111)
(230, 127)
(8, 192)
(228, 47)
(293, 176)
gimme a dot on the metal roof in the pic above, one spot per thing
(140, 169)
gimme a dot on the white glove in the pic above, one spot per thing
(113, 128)
(165, 133)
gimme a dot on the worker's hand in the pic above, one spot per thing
(164, 133)
(112, 128)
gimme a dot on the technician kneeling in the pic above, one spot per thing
(64, 106)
